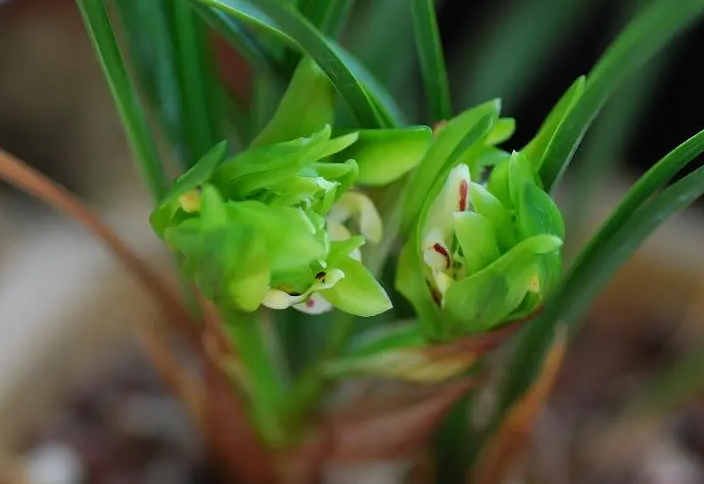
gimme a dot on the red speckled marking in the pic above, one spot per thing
(464, 189)
(443, 252)
(310, 303)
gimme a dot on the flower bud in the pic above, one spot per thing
(485, 255)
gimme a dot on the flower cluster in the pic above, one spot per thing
(487, 252)
(272, 225)
(281, 224)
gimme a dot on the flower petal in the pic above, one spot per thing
(315, 304)
(454, 197)
(436, 252)
(277, 299)
(358, 293)
(359, 206)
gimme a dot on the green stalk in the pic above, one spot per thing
(260, 377)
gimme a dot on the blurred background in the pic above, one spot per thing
(79, 402)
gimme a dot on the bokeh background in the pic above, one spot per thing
(79, 401)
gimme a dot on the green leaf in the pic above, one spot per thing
(292, 26)
(213, 213)
(492, 157)
(503, 130)
(488, 206)
(411, 284)
(134, 120)
(419, 187)
(630, 224)
(170, 47)
(358, 292)
(520, 174)
(386, 155)
(498, 184)
(432, 61)
(287, 233)
(199, 173)
(329, 16)
(248, 278)
(537, 213)
(344, 173)
(261, 57)
(385, 338)
(268, 165)
(382, 101)
(341, 249)
(306, 107)
(647, 34)
(537, 147)
(477, 240)
(483, 300)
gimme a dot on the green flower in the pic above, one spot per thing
(274, 226)
(281, 224)
(479, 254)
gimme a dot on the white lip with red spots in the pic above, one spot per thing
(438, 233)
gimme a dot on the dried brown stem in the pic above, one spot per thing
(235, 443)
(24, 177)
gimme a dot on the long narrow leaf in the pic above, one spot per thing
(640, 41)
(258, 55)
(295, 27)
(370, 106)
(614, 130)
(432, 61)
(388, 27)
(630, 224)
(170, 46)
(329, 16)
(131, 113)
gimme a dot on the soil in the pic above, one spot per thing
(121, 427)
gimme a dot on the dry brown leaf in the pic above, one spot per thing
(509, 442)
(24, 177)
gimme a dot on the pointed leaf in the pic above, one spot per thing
(385, 338)
(386, 155)
(248, 278)
(483, 300)
(306, 108)
(503, 130)
(260, 167)
(520, 174)
(477, 240)
(498, 183)
(432, 60)
(412, 285)
(198, 174)
(358, 292)
(535, 150)
(538, 214)
(432, 164)
(487, 205)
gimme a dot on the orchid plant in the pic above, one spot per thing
(279, 220)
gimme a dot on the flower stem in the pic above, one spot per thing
(260, 377)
